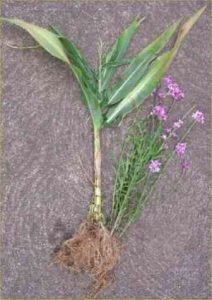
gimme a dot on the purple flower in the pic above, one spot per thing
(154, 166)
(177, 124)
(199, 117)
(185, 165)
(160, 112)
(173, 88)
(175, 91)
(167, 80)
(180, 149)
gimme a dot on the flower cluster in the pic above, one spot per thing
(154, 166)
(173, 89)
(179, 149)
(185, 165)
(160, 112)
(167, 80)
(169, 87)
(198, 116)
(177, 124)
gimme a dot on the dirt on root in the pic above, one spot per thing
(92, 250)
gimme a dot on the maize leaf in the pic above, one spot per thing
(90, 98)
(45, 38)
(139, 65)
(155, 73)
(117, 52)
(85, 77)
(78, 60)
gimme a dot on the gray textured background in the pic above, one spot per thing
(46, 130)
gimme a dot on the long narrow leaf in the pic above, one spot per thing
(45, 38)
(150, 81)
(91, 100)
(78, 60)
(52, 44)
(117, 52)
(85, 77)
(141, 91)
(139, 65)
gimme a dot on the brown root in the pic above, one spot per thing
(93, 250)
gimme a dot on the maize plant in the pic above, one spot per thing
(96, 247)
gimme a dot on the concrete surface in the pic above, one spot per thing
(46, 130)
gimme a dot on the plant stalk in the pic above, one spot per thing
(95, 213)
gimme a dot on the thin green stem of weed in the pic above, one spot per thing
(132, 177)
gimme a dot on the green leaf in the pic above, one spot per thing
(52, 44)
(117, 52)
(155, 73)
(77, 59)
(91, 100)
(141, 91)
(85, 77)
(139, 65)
(142, 143)
(45, 38)
(114, 64)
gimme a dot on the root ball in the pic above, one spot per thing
(92, 250)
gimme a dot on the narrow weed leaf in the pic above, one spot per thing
(45, 38)
(140, 146)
